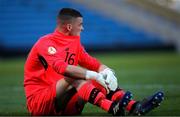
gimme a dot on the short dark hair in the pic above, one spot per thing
(67, 14)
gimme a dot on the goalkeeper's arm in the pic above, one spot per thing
(81, 73)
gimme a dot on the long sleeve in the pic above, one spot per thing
(87, 61)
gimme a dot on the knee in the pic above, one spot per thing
(79, 83)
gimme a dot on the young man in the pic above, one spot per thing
(55, 84)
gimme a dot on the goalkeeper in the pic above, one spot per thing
(55, 84)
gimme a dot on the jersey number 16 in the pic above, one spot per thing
(70, 58)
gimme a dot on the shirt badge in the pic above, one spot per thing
(51, 50)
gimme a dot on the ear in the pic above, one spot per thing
(58, 21)
(69, 27)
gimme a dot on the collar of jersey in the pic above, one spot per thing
(58, 34)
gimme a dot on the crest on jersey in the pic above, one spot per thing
(51, 50)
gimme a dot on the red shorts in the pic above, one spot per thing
(43, 102)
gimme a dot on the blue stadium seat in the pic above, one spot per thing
(23, 22)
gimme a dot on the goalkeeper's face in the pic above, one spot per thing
(76, 26)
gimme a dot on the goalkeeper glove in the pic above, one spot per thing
(98, 77)
(110, 79)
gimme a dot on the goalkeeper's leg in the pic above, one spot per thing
(113, 95)
(134, 107)
(70, 103)
(89, 93)
(138, 107)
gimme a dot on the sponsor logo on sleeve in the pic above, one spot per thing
(52, 50)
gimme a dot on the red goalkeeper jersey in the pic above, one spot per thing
(49, 57)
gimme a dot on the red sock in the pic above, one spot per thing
(90, 93)
(102, 102)
(118, 94)
(129, 106)
(100, 87)
(115, 95)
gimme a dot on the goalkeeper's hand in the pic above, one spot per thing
(110, 79)
(98, 77)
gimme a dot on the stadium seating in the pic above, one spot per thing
(24, 21)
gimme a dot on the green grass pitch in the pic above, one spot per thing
(140, 73)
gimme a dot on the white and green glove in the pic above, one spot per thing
(110, 79)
